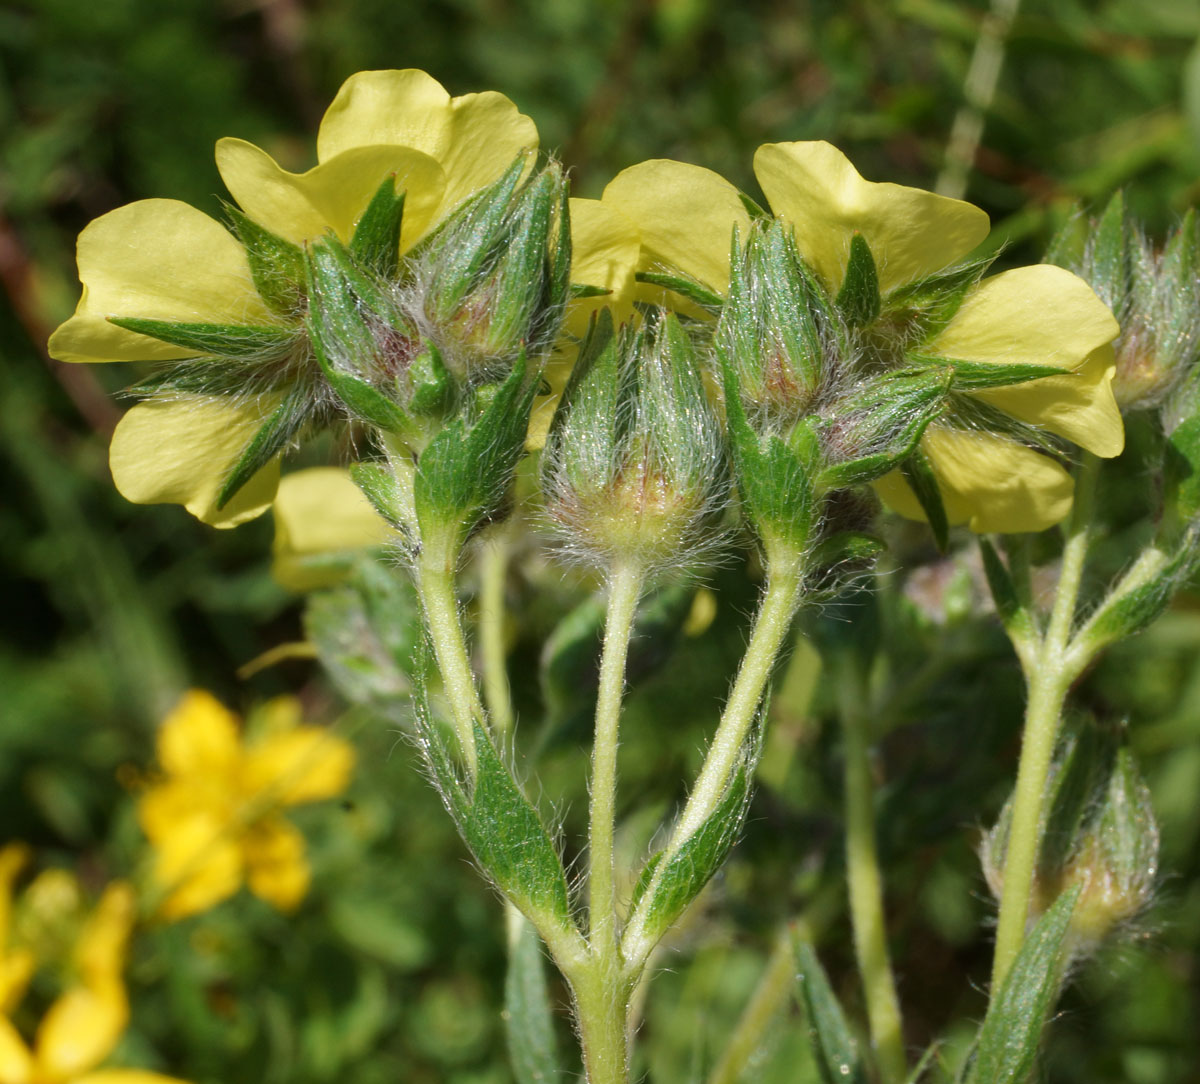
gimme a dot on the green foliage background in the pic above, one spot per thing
(393, 968)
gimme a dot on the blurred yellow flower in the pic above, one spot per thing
(81, 1028)
(215, 819)
(164, 260)
(16, 962)
(1032, 315)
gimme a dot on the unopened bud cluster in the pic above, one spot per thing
(633, 469)
(1155, 294)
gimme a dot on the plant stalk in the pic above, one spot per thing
(1054, 667)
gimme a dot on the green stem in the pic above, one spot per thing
(1054, 667)
(865, 882)
(625, 586)
(493, 575)
(602, 1012)
(435, 584)
(774, 989)
(780, 600)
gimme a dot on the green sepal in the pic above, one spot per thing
(918, 473)
(380, 487)
(1067, 246)
(560, 289)
(579, 290)
(835, 1048)
(687, 288)
(528, 1016)
(431, 386)
(276, 432)
(219, 340)
(858, 300)
(753, 209)
(376, 239)
(464, 475)
(1111, 256)
(276, 265)
(367, 403)
(776, 486)
(981, 375)
(929, 304)
(366, 632)
(1007, 1049)
(894, 411)
(474, 230)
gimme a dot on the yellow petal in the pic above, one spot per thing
(685, 216)
(199, 737)
(16, 1060)
(16, 969)
(475, 137)
(276, 868)
(80, 1030)
(321, 520)
(157, 259)
(198, 863)
(301, 765)
(13, 857)
(912, 233)
(605, 250)
(163, 808)
(989, 483)
(302, 207)
(100, 951)
(1044, 315)
(180, 451)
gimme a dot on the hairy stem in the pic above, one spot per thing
(493, 573)
(435, 584)
(625, 586)
(1054, 667)
(780, 599)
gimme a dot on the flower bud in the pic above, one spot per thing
(1155, 295)
(633, 465)
(1099, 834)
(495, 278)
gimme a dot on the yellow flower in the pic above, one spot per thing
(1032, 315)
(81, 1028)
(215, 818)
(164, 260)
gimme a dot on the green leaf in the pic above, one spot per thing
(1181, 475)
(368, 403)
(979, 375)
(1111, 257)
(1127, 612)
(376, 239)
(846, 547)
(464, 476)
(221, 340)
(1012, 1030)
(276, 432)
(276, 265)
(836, 1049)
(858, 300)
(528, 1018)
(578, 289)
(918, 473)
(381, 488)
(366, 632)
(682, 875)
(509, 841)
(688, 288)
(1004, 590)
